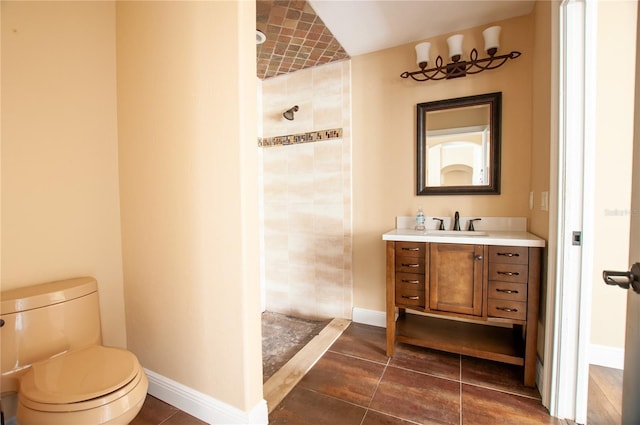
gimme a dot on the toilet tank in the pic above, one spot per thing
(44, 320)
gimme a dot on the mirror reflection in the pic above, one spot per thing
(458, 145)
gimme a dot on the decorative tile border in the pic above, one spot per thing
(313, 136)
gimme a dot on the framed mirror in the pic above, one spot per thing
(458, 148)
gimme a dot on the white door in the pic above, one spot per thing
(631, 374)
(631, 281)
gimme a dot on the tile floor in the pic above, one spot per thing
(355, 383)
(157, 412)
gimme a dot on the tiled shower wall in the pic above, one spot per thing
(306, 194)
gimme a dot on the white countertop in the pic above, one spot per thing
(490, 237)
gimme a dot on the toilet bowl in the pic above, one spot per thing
(53, 358)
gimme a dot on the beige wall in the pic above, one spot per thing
(188, 181)
(307, 194)
(614, 138)
(384, 144)
(60, 206)
(541, 116)
(188, 173)
(542, 133)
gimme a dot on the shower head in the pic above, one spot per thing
(288, 114)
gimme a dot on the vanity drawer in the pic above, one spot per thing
(509, 254)
(411, 249)
(516, 273)
(507, 291)
(410, 295)
(507, 309)
(409, 280)
(413, 265)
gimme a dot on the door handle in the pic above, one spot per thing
(626, 280)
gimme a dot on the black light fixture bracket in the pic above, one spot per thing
(457, 68)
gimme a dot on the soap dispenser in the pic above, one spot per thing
(420, 220)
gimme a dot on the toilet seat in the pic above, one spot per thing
(80, 380)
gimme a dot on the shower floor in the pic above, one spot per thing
(290, 347)
(282, 337)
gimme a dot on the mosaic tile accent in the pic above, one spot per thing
(296, 38)
(313, 136)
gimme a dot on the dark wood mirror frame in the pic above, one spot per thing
(494, 101)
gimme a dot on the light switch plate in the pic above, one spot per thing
(544, 201)
(530, 200)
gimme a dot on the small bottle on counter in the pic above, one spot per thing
(420, 219)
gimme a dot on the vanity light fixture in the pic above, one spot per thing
(457, 67)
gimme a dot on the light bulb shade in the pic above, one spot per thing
(455, 46)
(422, 54)
(491, 39)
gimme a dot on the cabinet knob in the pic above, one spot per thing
(478, 257)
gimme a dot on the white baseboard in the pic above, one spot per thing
(603, 355)
(539, 375)
(370, 317)
(202, 406)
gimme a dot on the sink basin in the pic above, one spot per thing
(455, 233)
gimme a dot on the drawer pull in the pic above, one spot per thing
(410, 249)
(507, 309)
(509, 273)
(415, 282)
(507, 291)
(410, 265)
(411, 297)
(509, 254)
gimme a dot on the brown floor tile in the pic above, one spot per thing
(418, 397)
(153, 412)
(376, 418)
(484, 406)
(182, 418)
(365, 341)
(499, 376)
(305, 407)
(343, 377)
(425, 360)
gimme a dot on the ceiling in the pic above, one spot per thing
(303, 34)
(296, 38)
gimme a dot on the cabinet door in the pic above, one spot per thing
(455, 278)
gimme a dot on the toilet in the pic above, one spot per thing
(54, 360)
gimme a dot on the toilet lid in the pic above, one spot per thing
(79, 375)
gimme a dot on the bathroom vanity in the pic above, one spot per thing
(472, 293)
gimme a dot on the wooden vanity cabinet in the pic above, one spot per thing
(411, 267)
(455, 278)
(494, 287)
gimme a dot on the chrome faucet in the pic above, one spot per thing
(456, 223)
